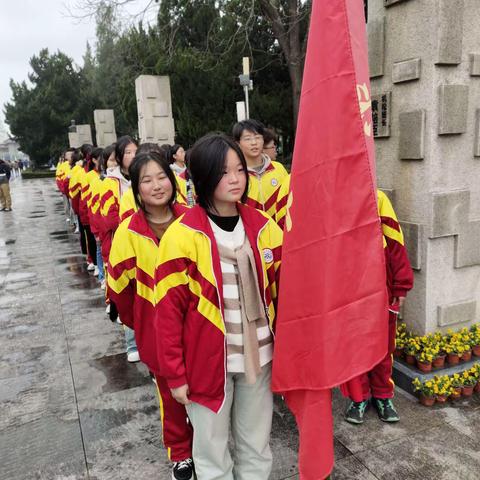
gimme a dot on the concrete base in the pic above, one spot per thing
(404, 374)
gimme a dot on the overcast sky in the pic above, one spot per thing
(27, 26)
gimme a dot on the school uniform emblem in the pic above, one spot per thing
(268, 255)
(274, 182)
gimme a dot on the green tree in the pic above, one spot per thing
(40, 113)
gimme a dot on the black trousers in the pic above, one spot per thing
(91, 243)
(83, 237)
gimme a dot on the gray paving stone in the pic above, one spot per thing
(45, 449)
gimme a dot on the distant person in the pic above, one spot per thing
(5, 199)
(265, 175)
(270, 142)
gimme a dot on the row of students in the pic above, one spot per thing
(199, 287)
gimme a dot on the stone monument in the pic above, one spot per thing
(79, 134)
(104, 127)
(154, 103)
(424, 60)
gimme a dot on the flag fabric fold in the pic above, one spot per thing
(332, 322)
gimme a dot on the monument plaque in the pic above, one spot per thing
(381, 107)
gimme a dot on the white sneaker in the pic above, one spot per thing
(133, 357)
(96, 272)
(90, 267)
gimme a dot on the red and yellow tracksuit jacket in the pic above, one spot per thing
(85, 195)
(399, 270)
(114, 186)
(131, 270)
(189, 323)
(263, 187)
(61, 173)
(93, 205)
(281, 202)
(75, 186)
(127, 205)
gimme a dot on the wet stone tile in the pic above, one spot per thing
(108, 374)
(47, 448)
(439, 453)
(30, 397)
(90, 346)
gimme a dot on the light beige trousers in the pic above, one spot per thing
(5, 199)
(248, 412)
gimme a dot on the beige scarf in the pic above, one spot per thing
(251, 304)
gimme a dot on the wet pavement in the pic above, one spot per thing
(71, 407)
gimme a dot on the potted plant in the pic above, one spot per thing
(468, 383)
(457, 385)
(426, 391)
(442, 388)
(454, 349)
(441, 355)
(465, 340)
(424, 359)
(412, 347)
(475, 339)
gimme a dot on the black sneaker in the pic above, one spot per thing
(386, 410)
(183, 470)
(356, 411)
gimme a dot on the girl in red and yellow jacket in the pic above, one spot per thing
(92, 166)
(216, 289)
(115, 186)
(377, 384)
(131, 271)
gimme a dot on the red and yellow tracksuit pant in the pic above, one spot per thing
(177, 430)
(377, 382)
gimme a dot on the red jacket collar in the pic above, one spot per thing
(252, 219)
(139, 224)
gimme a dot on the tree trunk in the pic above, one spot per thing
(288, 36)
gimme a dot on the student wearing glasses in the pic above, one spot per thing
(265, 175)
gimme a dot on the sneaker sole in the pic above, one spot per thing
(389, 421)
(353, 421)
(191, 478)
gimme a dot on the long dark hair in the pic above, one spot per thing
(171, 152)
(107, 151)
(136, 166)
(120, 147)
(207, 164)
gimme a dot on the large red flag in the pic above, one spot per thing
(333, 307)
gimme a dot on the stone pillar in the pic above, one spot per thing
(425, 67)
(154, 103)
(104, 127)
(81, 135)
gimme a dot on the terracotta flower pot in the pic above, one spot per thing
(427, 401)
(476, 388)
(424, 366)
(410, 359)
(476, 350)
(442, 398)
(398, 353)
(467, 356)
(467, 391)
(453, 358)
(439, 362)
(456, 393)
